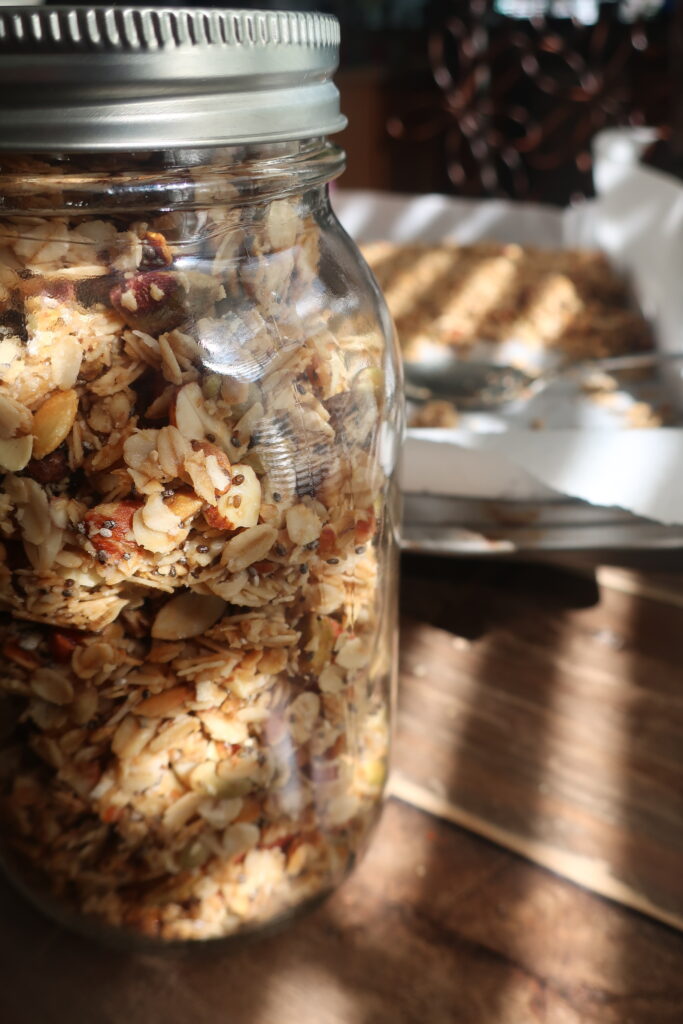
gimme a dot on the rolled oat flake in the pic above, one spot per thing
(134, 77)
(199, 426)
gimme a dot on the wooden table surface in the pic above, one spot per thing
(438, 925)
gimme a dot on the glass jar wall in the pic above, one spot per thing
(198, 430)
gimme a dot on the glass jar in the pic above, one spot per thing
(199, 425)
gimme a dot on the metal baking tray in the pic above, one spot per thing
(466, 526)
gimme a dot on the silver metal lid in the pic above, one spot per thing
(103, 78)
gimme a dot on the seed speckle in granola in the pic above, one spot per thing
(191, 537)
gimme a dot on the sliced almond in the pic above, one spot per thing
(52, 686)
(241, 506)
(204, 780)
(219, 813)
(34, 519)
(303, 525)
(180, 812)
(88, 660)
(184, 504)
(202, 484)
(219, 477)
(137, 774)
(331, 680)
(173, 450)
(237, 839)
(158, 516)
(15, 418)
(66, 358)
(15, 453)
(85, 706)
(187, 615)
(209, 470)
(52, 423)
(186, 412)
(302, 715)
(194, 421)
(139, 446)
(162, 704)
(248, 547)
(229, 589)
(157, 541)
(223, 727)
(354, 654)
(174, 734)
(283, 223)
(130, 738)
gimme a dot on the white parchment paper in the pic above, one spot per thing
(583, 450)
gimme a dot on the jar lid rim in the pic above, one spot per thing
(78, 78)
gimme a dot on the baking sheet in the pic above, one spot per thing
(469, 526)
(584, 450)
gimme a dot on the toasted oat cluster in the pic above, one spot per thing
(193, 722)
(459, 295)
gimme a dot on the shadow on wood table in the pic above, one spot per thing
(554, 725)
(440, 926)
(648, 767)
(489, 940)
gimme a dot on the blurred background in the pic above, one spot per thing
(499, 97)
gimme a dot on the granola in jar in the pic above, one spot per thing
(198, 426)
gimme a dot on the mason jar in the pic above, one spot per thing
(199, 424)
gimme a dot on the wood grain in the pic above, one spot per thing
(541, 707)
(436, 927)
(554, 726)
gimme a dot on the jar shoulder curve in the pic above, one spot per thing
(348, 254)
(365, 306)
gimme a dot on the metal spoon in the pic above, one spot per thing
(474, 384)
